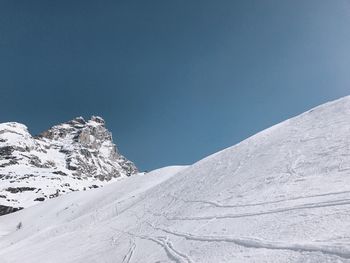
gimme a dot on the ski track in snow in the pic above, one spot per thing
(164, 242)
(342, 250)
(343, 202)
(217, 204)
(170, 250)
(130, 252)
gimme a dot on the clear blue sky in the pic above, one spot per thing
(174, 80)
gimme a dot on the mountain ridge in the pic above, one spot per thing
(75, 155)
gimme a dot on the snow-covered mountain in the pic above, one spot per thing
(282, 195)
(76, 155)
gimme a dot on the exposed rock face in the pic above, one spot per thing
(75, 155)
(90, 151)
(8, 209)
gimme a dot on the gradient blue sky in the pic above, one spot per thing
(174, 80)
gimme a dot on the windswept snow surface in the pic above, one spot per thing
(282, 195)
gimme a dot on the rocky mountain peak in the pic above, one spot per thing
(74, 155)
(97, 119)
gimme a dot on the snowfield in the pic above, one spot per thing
(282, 195)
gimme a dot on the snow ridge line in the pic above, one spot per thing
(272, 211)
(338, 250)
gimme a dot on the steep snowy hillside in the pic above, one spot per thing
(282, 195)
(77, 155)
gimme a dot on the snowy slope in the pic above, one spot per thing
(72, 156)
(79, 209)
(282, 195)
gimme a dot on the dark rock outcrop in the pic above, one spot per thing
(8, 209)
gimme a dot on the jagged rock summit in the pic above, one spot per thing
(72, 156)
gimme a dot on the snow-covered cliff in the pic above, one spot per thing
(76, 155)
